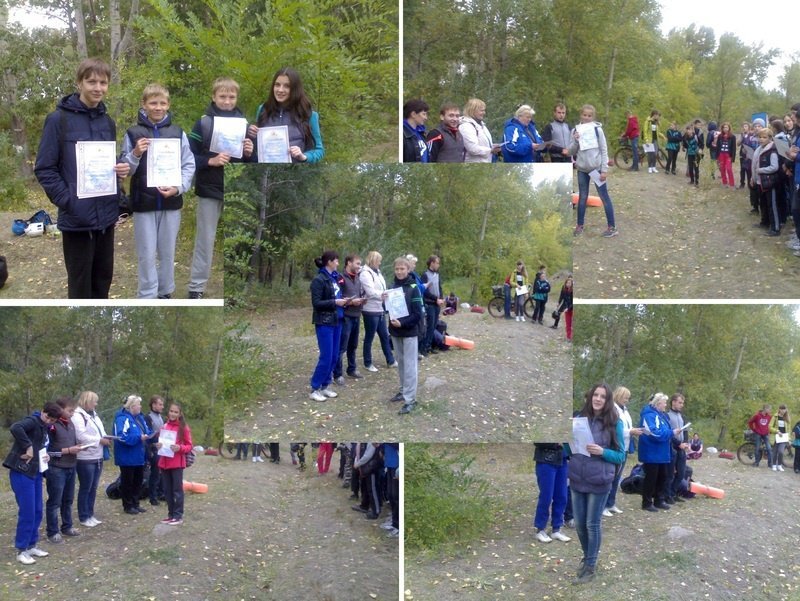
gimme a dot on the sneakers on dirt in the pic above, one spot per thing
(610, 232)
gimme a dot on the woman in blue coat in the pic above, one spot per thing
(131, 431)
(655, 449)
(521, 142)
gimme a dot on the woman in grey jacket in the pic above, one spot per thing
(590, 150)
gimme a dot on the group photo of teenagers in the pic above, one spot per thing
(514, 250)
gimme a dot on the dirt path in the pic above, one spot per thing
(740, 547)
(262, 532)
(36, 265)
(677, 241)
(513, 386)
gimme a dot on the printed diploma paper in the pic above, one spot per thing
(396, 303)
(164, 162)
(96, 162)
(228, 136)
(273, 145)
(167, 438)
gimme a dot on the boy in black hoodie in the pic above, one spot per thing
(210, 180)
(404, 334)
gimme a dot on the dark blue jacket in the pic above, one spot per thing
(656, 446)
(325, 289)
(56, 166)
(129, 449)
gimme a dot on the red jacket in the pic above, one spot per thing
(632, 130)
(179, 460)
(759, 423)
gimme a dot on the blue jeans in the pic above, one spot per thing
(328, 338)
(348, 343)
(60, 494)
(612, 496)
(28, 493)
(552, 483)
(765, 438)
(583, 196)
(375, 322)
(588, 511)
(507, 300)
(88, 480)
(431, 317)
(635, 148)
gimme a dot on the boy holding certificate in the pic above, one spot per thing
(162, 166)
(210, 183)
(77, 166)
(404, 303)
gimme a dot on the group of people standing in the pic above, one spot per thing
(87, 223)
(517, 288)
(341, 300)
(67, 440)
(764, 425)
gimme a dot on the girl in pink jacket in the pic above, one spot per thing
(172, 462)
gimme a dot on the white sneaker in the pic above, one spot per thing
(556, 534)
(780, 468)
(607, 513)
(37, 552)
(88, 523)
(316, 395)
(255, 459)
(329, 393)
(391, 365)
(372, 368)
(96, 521)
(393, 533)
(541, 536)
(387, 525)
(655, 170)
(774, 468)
(516, 318)
(615, 509)
(24, 557)
(522, 318)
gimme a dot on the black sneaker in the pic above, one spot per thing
(397, 398)
(680, 500)
(195, 295)
(140, 509)
(661, 505)
(165, 296)
(360, 509)
(407, 408)
(154, 502)
(650, 508)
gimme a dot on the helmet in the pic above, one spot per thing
(18, 227)
(35, 229)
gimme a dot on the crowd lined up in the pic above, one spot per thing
(517, 288)
(371, 470)
(87, 223)
(67, 441)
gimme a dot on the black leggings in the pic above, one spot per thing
(672, 159)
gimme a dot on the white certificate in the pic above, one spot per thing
(587, 136)
(273, 145)
(96, 162)
(43, 459)
(782, 146)
(164, 162)
(581, 435)
(167, 438)
(396, 303)
(594, 175)
(228, 136)
(649, 147)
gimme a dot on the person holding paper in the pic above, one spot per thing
(592, 165)
(162, 167)
(129, 452)
(210, 178)
(519, 289)
(654, 452)
(680, 444)
(621, 397)
(590, 477)
(521, 141)
(177, 431)
(765, 180)
(780, 428)
(288, 104)
(328, 311)
(26, 461)
(90, 431)
(478, 146)
(63, 450)
(86, 224)
(651, 127)
(404, 332)
(373, 311)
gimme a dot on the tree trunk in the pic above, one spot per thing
(255, 252)
(723, 431)
(473, 294)
(80, 30)
(610, 84)
(214, 383)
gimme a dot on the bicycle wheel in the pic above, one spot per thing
(227, 449)
(747, 453)
(661, 157)
(528, 307)
(497, 307)
(623, 158)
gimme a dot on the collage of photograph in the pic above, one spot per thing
(254, 350)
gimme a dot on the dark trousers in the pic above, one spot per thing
(672, 160)
(60, 494)
(754, 200)
(393, 494)
(431, 316)
(89, 259)
(154, 487)
(694, 169)
(538, 310)
(370, 494)
(796, 459)
(172, 481)
(348, 344)
(130, 484)
(275, 452)
(770, 210)
(655, 478)
(676, 473)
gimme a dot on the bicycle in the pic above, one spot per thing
(497, 304)
(746, 453)
(228, 450)
(623, 157)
